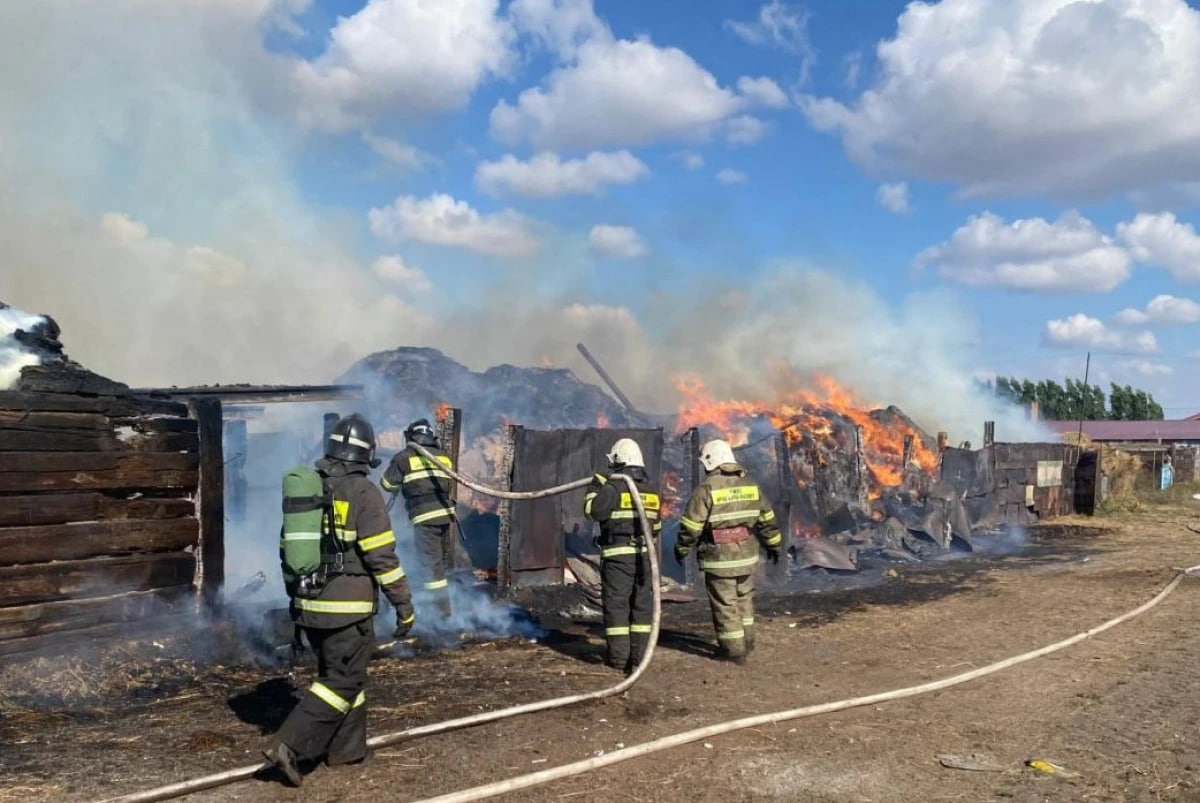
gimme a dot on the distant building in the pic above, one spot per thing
(1182, 431)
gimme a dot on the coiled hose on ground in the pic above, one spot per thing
(244, 773)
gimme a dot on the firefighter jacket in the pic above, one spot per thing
(358, 554)
(609, 504)
(428, 490)
(723, 514)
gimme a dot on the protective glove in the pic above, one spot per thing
(774, 554)
(680, 555)
(402, 627)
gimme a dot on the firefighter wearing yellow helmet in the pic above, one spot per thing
(726, 519)
(626, 594)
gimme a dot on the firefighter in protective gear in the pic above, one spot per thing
(628, 599)
(726, 519)
(358, 560)
(429, 496)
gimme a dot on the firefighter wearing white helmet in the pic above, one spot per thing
(726, 519)
(628, 599)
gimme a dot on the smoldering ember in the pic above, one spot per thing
(140, 547)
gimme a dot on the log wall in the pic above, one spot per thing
(99, 518)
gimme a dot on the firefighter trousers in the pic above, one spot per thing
(435, 547)
(628, 603)
(732, 601)
(331, 717)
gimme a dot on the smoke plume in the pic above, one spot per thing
(149, 202)
(14, 355)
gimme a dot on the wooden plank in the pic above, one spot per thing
(95, 461)
(14, 439)
(29, 510)
(46, 618)
(75, 579)
(92, 539)
(79, 403)
(37, 419)
(68, 471)
(211, 498)
(65, 641)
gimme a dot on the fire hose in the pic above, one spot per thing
(696, 734)
(245, 773)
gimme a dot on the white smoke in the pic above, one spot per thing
(148, 200)
(13, 354)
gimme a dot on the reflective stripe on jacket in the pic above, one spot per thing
(365, 551)
(427, 489)
(727, 499)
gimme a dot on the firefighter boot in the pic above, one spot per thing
(284, 760)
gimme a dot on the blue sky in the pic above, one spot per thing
(802, 197)
(1030, 163)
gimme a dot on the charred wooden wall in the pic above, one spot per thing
(1034, 480)
(100, 515)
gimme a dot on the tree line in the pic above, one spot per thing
(1075, 400)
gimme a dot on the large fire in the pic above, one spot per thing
(806, 414)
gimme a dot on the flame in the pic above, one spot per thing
(812, 416)
(442, 412)
(602, 421)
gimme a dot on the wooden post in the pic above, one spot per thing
(503, 561)
(449, 435)
(989, 433)
(691, 459)
(210, 500)
(783, 505)
(860, 466)
(236, 442)
(943, 441)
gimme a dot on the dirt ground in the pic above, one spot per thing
(1120, 711)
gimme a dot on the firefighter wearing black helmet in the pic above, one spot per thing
(429, 497)
(358, 560)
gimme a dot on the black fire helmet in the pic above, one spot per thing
(421, 431)
(353, 441)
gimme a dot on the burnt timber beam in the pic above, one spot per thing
(608, 380)
(260, 394)
(210, 499)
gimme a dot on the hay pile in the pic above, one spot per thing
(1121, 468)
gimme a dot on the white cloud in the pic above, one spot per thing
(399, 57)
(852, 63)
(548, 176)
(1068, 255)
(1082, 331)
(1162, 309)
(1144, 368)
(731, 176)
(397, 153)
(763, 91)
(617, 92)
(442, 220)
(691, 160)
(395, 269)
(893, 197)
(617, 242)
(782, 27)
(561, 25)
(745, 130)
(1073, 99)
(1160, 239)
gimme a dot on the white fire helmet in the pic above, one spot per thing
(716, 453)
(626, 452)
